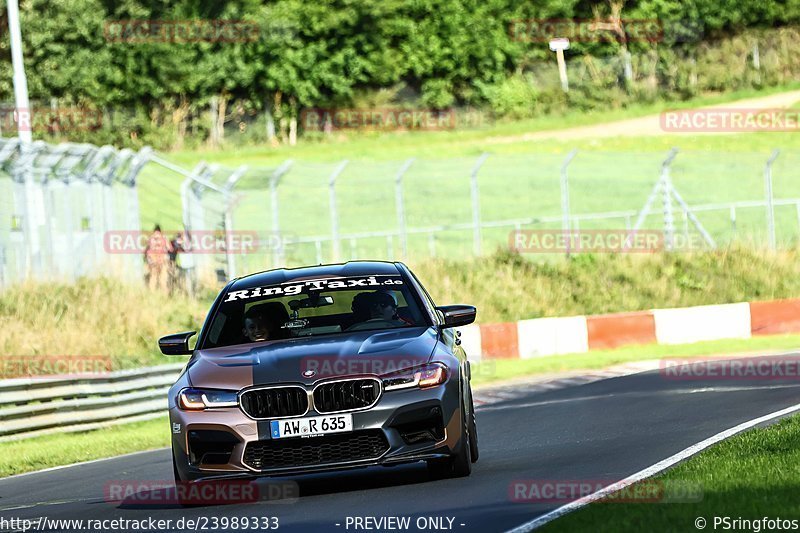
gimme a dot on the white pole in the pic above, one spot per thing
(34, 210)
(562, 70)
(20, 81)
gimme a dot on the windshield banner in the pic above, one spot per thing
(293, 288)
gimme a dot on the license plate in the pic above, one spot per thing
(310, 427)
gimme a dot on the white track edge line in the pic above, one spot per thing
(649, 471)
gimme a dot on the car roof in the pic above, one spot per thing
(283, 275)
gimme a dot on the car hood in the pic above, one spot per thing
(331, 356)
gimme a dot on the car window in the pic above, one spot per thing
(312, 308)
(428, 301)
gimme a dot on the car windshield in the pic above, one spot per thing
(310, 308)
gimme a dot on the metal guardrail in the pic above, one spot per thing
(38, 406)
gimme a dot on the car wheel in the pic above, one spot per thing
(460, 463)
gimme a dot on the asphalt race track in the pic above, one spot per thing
(608, 429)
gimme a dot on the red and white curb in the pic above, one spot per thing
(540, 337)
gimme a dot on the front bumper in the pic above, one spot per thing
(412, 425)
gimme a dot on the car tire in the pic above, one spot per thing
(460, 463)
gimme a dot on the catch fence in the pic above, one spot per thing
(61, 206)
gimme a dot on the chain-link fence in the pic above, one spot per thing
(57, 205)
(70, 210)
(462, 207)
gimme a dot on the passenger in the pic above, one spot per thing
(383, 307)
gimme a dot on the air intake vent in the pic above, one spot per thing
(275, 402)
(348, 395)
(329, 449)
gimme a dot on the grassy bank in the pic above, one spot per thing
(403, 144)
(507, 287)
(93, 317)
(105, 317)
(750, 476)
(37, 453)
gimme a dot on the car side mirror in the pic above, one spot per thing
(457, 315)
(176, 344)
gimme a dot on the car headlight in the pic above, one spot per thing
(200, 399)
(421, 377)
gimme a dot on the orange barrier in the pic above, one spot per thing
(499, 341)
(612, 331)
(779, 316)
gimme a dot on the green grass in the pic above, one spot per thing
(519, 180)
(36, 453)
(749, 476)
(392, 146)
(503, 369)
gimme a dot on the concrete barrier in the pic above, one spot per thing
(552, 336)
(703, 323)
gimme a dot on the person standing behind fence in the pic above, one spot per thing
(156, 259)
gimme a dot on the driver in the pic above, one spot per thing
(257, 325)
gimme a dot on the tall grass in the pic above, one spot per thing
(109, 318)
(93, 317)
(506, 286)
